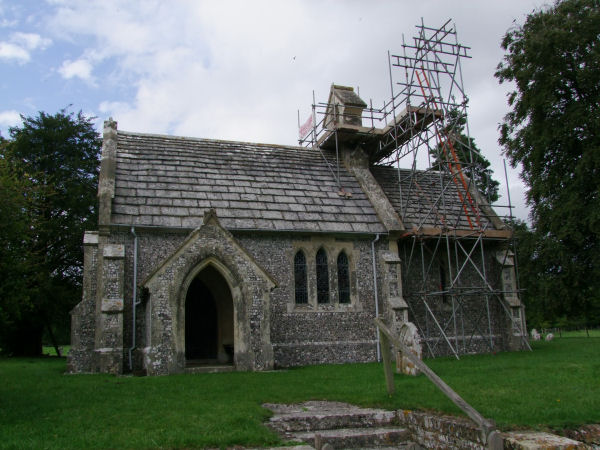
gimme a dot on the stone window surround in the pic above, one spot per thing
(332, 248)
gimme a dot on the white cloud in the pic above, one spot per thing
(117, 110)
(6, 23)
(80, 68)
(198, 66)
(31, 41)
(9, 118)
(14, 52)
(228, 70)
(520, 209)
(20, 45)
(110, 107)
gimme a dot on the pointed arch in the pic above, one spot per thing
(206, 313)
(322, 276)
(300, 278)
(203, 320)
(343, 273)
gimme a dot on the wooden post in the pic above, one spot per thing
(318, 441)
(387, 362)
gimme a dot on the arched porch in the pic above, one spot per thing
(208, 283)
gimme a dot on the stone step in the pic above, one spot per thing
(348, 438)
(314, 416)
(407, 445)
(209, 369)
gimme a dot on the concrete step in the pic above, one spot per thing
(314, 415)
(362, 438)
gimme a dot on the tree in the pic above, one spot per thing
(542, 311)
(55, 158)
(474, 165)
(14, 257)
(553, 131)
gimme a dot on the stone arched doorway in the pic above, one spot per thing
(209, 330)
(241, 291)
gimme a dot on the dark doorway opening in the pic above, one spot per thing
(201, 321)
(209, 320)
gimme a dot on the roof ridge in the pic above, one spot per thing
(198, 139)
(429, 171)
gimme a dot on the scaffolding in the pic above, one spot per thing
(457, 253)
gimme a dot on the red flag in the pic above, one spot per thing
(306, 127)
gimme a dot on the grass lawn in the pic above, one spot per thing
(48, 350)
(557, 385)
(594, 332)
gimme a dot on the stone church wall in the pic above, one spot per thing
(318, 333)
(300, 334)
(311, 333)
(464, 319)
(83, 322)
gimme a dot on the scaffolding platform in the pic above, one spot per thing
(411, 121)
(381, 143)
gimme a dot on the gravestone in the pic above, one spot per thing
(409, 336)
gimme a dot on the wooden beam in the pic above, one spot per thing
(436, 231)
(486, 425)
(387, 362)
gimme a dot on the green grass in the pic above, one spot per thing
(557, 386)
(593, 333)
(48, 350)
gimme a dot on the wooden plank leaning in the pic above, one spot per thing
(488, 427)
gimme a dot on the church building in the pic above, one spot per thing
(224, 255)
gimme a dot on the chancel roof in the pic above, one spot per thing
(431, 199)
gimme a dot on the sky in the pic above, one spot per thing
(238, 70)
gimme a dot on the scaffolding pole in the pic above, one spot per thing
(453, 292)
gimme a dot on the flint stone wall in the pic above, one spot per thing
(472, 332)
(318, 333)
(300, 335)
(83, 315)
(209, 245)
(438, 431)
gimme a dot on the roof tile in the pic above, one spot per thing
(424, 202)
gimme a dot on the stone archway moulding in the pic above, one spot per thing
(250, 286)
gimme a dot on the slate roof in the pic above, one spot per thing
(172, 181)
(426, 205)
